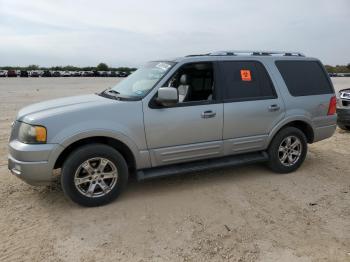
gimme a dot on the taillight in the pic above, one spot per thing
(332, 109)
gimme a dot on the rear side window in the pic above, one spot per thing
(304, 78)
(244, 80)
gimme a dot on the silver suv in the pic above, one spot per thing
(177, 116)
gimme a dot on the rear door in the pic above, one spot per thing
(251, 105)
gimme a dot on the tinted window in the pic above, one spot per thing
(304, 78)
(245, 81)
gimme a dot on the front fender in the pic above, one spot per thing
(141, 156)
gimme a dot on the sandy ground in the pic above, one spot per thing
(239, 214)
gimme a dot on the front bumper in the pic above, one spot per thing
(32, 163)
(343, 116)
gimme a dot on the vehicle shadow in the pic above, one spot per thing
(168, 185)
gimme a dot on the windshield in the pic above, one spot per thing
(142, 80)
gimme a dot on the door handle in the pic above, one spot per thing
(274, 107)
(208, 114)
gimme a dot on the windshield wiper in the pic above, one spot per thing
(111, 91)
(113, 94)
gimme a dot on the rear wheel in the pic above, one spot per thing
(94, 175)
(287, 150)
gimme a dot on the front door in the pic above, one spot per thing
(192, 129)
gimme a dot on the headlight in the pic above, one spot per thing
(31, 134)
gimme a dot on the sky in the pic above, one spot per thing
(130, 32)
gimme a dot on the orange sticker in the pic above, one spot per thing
(245, 75)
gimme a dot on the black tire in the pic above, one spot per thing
(274, 154)
(73, 164)
(344, 127)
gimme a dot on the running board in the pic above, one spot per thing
(202, 165)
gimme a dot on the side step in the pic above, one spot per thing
(202, 165)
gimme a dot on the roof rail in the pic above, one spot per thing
(256, 53)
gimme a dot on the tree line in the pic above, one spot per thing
(338, 68)
(99, 67)
(105, 67)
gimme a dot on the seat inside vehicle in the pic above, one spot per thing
(195, 82)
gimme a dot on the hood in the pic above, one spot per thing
(56, 106)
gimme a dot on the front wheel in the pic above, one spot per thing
(287, 150)
(94, 175)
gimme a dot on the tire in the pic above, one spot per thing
(94, 175)
(277, 160)
(344, 127)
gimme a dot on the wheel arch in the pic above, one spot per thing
(120, 142)
(302, 124)
(121, 147)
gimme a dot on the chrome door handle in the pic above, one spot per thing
(274, 107)
(208, 114)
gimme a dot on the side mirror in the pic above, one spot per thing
(167, 96)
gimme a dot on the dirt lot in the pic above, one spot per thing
(238, 214)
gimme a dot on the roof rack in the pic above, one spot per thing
(256, 53)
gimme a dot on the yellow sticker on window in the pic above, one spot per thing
(246, 75)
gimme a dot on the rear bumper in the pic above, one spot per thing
(343, 116)
(324, 132)
(32, 163)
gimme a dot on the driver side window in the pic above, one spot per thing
(194, 82)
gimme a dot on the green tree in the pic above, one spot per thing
(102, 67)
(33, 67)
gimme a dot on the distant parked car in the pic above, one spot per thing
(11, 73)
(112, 74)
(122, 74)
(103, 73)
(65, 74)
(75, 73)
(46, 73)
(87, 73)
(34, 74)
(23, 73)
(3, 73)
(55, 74)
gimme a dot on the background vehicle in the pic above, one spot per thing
(75, 73)
(122, 74)
(55, 73)
(112, 74)
(3, 73)
(46, 73)
(65, 74)
(169, 117)
(11, 73)
(33, 73)
(23, 73)
(343, 109)
(87, 73)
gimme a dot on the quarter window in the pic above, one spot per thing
(304, 78)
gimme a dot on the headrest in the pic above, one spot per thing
(184, 79)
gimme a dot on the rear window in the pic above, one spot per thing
(245, 80)
(304, 78)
